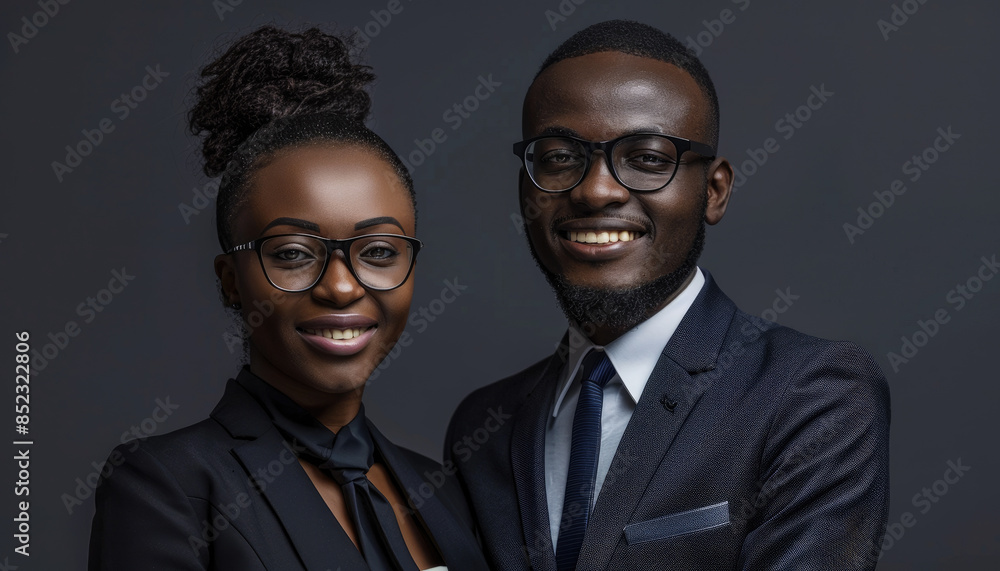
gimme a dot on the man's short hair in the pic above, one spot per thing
(638, 39)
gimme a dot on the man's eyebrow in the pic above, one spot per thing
(376, 221)
(284, 221)
(646, 129)
(554, 130)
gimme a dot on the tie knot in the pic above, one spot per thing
(343, 475)
(597, 368)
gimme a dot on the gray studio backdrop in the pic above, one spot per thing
(864, 134)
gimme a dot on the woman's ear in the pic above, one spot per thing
(226, 270)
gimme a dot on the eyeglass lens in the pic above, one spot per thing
(296, 262)
(642, 162)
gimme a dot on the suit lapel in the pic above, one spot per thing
(648, 436)
(668, 398)
(456, 545)
(312, 529)
(527, 453)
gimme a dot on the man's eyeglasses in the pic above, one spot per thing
(640, 161)
(297, 262)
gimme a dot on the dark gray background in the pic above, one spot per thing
(162, 337)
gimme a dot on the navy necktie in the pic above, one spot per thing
(584, 452)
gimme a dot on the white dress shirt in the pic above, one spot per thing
(634, 356)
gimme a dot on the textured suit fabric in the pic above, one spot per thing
(752, 447)
(228, 493)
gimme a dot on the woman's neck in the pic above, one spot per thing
(333, 410)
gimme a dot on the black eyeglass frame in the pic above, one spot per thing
(332, 245)
(682, 145)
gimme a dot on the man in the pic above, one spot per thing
(670, 430)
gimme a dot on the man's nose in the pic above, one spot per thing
(599, 189)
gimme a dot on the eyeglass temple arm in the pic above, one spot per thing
(702, 149)
(247, 246)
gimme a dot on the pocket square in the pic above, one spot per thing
(680, 523)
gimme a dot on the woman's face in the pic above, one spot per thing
(334, 191)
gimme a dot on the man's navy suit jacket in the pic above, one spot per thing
(752, 447)
(229, 494)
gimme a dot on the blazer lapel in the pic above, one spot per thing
(456, 544)
(527, 453)
(312, 529)
(669, 397)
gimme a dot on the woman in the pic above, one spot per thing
(316, 220)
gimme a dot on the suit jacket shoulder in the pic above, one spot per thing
(783, 364)
(508, 392)
(157, 502)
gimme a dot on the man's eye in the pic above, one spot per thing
(560, 158)
(650, 161)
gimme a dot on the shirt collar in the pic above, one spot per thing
(634, 354)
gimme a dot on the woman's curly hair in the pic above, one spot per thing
(274, 89)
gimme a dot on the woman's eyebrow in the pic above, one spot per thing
(376, 221)
(292, 222)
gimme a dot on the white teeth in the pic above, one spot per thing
(602, 237)
(338, 334)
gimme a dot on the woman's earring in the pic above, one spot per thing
(236, 305)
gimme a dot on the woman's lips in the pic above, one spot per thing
(337, 333)
(340, 342)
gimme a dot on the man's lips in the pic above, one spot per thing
(338, 334)
(600, 236)
(600, 231)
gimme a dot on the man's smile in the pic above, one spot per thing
(598, 236)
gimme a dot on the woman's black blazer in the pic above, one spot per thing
(228, 493)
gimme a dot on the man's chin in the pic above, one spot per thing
(615, 310)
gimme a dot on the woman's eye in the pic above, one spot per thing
(292, 255)
(379, 253)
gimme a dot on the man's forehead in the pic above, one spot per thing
(613, 92)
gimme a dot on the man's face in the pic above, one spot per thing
(599, 97)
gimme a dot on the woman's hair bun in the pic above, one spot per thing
(270, 74)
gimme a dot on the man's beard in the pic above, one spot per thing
(620, 309)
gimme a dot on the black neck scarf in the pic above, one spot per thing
(346, 456)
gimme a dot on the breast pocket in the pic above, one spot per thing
(680, 523)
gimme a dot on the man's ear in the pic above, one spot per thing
(225, 269)
(719, 189)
